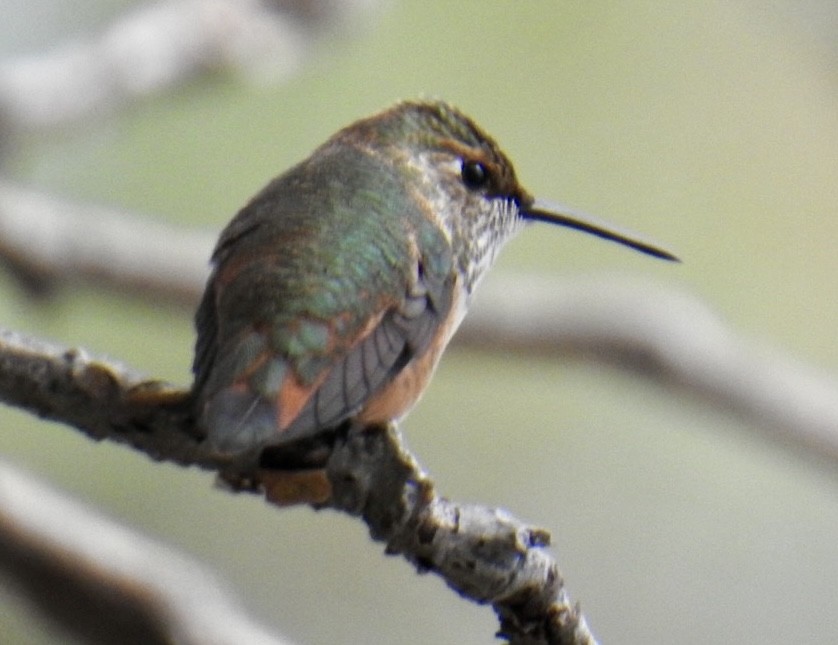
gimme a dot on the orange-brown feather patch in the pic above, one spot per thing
(292, 398)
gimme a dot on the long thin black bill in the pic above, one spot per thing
(545, 211)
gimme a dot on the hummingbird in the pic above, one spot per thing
(335, 291)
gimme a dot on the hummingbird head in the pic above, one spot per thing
(467, 185)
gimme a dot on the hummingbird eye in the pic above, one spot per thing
(474, 174)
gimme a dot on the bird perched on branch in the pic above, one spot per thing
(336, 289)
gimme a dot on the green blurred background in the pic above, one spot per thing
(710, 125)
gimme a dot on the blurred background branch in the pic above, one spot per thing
(163, 45)
(47, 242)
(670, 336)
(104, 583)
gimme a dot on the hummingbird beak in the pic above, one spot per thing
(545, 211)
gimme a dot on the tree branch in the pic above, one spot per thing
(484, 554)
(103, 399)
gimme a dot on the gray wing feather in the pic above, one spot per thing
(401, 335)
